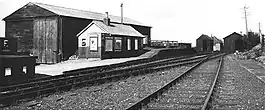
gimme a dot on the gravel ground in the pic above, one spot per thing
(191, 91)
(238, 89)
(113, 95)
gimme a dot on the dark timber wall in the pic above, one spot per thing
(23, 31)
(230, 42)
(70, 28)
(45, 39)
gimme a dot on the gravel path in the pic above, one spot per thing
(238, 89)
(114, 95)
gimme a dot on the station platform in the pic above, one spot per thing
(59, 68)
(253, 67)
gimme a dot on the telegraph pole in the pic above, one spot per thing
(262, 39)
(245, 12)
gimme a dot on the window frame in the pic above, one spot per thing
(108, 39)
(115, 41)
(136, 46)
(129, 44)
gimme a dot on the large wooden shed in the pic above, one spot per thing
(49, 32)
(204, 44)
(233, 42)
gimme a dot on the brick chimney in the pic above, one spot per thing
(121, 13)
(106, 20)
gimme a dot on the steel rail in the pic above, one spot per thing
(155, 94)
(206, 102)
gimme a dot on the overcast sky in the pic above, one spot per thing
(180, 20)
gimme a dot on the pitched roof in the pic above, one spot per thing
(115, 29)
(233, 34)
(84, 14)
(204, 36)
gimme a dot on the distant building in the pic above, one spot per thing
(234, 42)
(204, 44)
(106, 40)
(49, 32)
(163, 43)
(217, 44)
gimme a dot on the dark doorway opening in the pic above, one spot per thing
(204, 45)
(239, 45)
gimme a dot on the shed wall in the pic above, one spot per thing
(229, 42)
(201, 47)
(70, 28)
(45, 39)
(23, 31)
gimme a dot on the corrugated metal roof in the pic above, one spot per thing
(85, 14)
(115, 29)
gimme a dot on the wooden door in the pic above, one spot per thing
(45, 40)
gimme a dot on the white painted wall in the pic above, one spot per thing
(92, 31)
(217, 47)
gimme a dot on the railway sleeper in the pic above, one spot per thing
(184, 95)
(172, 107)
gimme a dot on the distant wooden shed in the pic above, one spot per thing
(204, 44)
(49, 32)
(233, 42)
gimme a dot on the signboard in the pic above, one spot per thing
(118, 43)
(93, 43)
(83, 42)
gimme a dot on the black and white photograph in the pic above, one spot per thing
(132, 55)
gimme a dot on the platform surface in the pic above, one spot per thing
(253, 67)
(59, 68)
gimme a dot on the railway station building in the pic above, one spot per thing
(103, 39)
(50, 32)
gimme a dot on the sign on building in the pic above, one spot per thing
(93, 43)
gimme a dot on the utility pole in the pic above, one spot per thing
(262, 39)
(245, 12)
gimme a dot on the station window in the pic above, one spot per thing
(136, 44)
(128, 44)
(109, 44)
(118, 43)
(145, 40)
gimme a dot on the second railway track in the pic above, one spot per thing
(190, 90)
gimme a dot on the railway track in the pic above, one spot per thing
(190, 90)
(81, 78)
